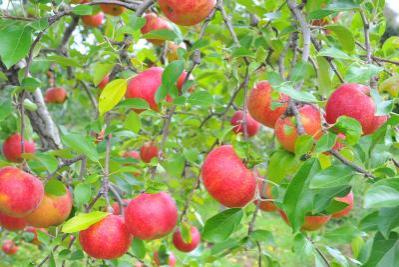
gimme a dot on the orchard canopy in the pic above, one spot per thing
(199, 133)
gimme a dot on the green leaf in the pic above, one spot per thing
(48, 161)
(170, 76)
(295, 94)
(334, 53)
(262, 236)
(300, 71)
(362, 73)
(101, 70)
(303, 144)
(82, 10)
(30, 83)
(81, 144)
(201, 98)
(351, 128)
(281, 164)
(138, 248)
(40, 24)
(16, 41)
(381, 196)
(136, 103)
(383, 107)
(82, 221)
(166, 35)
(112, 94)
(334, 176)
(133, 122)
(326, 142)
(323, 75)
(81, 194)
(384, 251)
(63, 61)
(55, 187)
(344, 35)
(222, 225)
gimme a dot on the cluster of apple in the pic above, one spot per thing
(232, 184)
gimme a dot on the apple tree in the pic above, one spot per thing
(198, 133)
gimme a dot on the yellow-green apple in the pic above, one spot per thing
(187, 245)
(151, 216)
(227, 179)
(348, 199)
(106, 239)
(186, 12)
(238, 122)
(52, 211)
(353, 100)
(20, 192)
(12, 148)
(93, 20)
(286, 131)
(55, 95)
(154, 22)
(265, 108)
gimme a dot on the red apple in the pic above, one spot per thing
(9, 247)
(149, 151)
(151, 216)
(180, 82)
(353, 100)
(346, 199)
(186, 12)
(106, 239)
(184, 246)
(286, 131)
(265, 192)
(52, 211)
(238, 122)
(93, 20)
(112, 9)
(12, 149)
(260, 103)
(153, 22)
(170, 263)
(104, 82)
(227, 179)
(132, 154)
(12, 223)
(20, 192)
(55, 95)
(312, 222)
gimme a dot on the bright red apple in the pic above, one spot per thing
(353, 100)
(12, 149)
(9, 247)
(348, 199)
(154, 22)
(151, 216)
(171, 262)
(238, 122)
(227, 179)
(106, 239)
(20, 192)
(186, 12)
(112, 9)
(184, 246)
(286, 131)
(260, 104)
(55, 95)
(52, 211)
(149, 151)
(12, 223)
(93, 20)
(312, 222)
(104, 82)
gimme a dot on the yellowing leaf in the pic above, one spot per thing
(112, 95)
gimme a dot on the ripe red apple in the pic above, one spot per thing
(312, 222)
(227, 179)
(153, 22)
(170, 263)
(9, 247)
(286, 131)
(20, 192)
(12, 149)
(151, 216)
(238, 122)
(112, 9)
(52, 211)
(149, 151)
(116, 207)
(104, 82)
(132, 154)
(181, 245)
(106, 239)
(260, 103)
(346, 199)
(353, 100)
(265, 191)
(34, 231)
(55, 95)
(12, 223)
(186, 12)
(93, 20)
